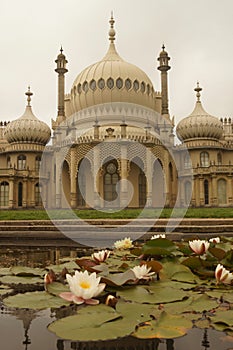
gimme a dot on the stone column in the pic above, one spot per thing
(11, 193)
(24, 204)
(201, 191)
(229, 190)
(149, 176)
(214, 200)
(73, 179)
(58, 182)
(96, 177)
(124, 175)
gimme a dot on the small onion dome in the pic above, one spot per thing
(28, 128)
(111, 80)
(199, 124)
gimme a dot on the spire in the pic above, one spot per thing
(198, 89)
(28, 94)
(112, 32)
(61, 49)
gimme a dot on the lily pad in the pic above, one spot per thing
(20, 280)
(101, 322)
(57, 288)
(201, 303)
(167, 326)
(70, 266)
(225, 317)
(27, 271)
(35, 300)
(151, 294)
(118, 279)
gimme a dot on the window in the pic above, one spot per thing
(110, 83)
(85, 86)
(206, 192)
(219, 158)
(204, 159)
(101, 83)
(187, 192)
(37, 163)
(21, 160)
(136, 85)
(4, 194)
(38, 200)
(8, 162)
(93, 84)
(119, 83)
(128, 84)
(222, 191)
(187, 162)
(20, 194)
(111, 179)
(143, 87)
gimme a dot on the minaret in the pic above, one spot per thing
(164, 67)
(61, 70)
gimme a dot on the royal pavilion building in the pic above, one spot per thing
(112, 144)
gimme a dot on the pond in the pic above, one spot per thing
(27, 329)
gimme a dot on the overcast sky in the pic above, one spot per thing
(197, 34)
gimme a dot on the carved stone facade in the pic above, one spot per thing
(113, 146)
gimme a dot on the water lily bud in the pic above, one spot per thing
(111, 301)
(199, 246)
(214, 240)
(222, 275)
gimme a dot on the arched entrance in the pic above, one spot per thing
(20, 194)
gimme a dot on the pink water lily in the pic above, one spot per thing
(101, 256)
(222, 275)
(199, 246)
(142, 272)
(83, 287)
(214, 240)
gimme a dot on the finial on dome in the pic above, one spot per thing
(198, 89)
(29, 94)
(112, 32)
(163, 47)
(61, 50)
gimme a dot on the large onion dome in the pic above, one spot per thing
(28, 128)
(199, 124)
(111, 80)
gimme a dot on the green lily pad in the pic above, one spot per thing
(224, 317)
(167, 326)
(35, 300)
(159, 246)
(57, 288)
(5, 271)
(151, 294)
(93, 323)
(20, 280)
(27, 271)
(70, 266)
(184, 276)
(118, 279)
(201, 303)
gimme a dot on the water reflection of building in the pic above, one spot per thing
(113, 100)
(34, 256)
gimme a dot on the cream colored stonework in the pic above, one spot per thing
(113, 145)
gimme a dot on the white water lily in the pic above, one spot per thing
(199, 246)
(223, 275)
(158, 236)
(101, 256)
(125, 243)
(142, 272)
(83, 287)
(214, 240)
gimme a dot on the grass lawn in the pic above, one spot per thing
(123, 214)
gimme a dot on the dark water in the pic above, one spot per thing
(27, 329)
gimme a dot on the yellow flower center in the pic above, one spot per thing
(85, 285)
